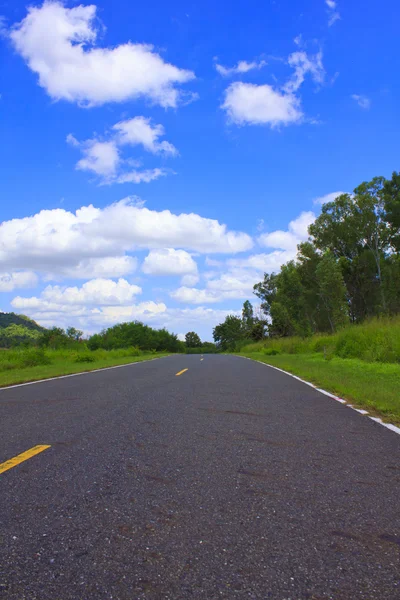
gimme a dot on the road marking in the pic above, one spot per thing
(137, 362)
(201, 359)
(13, 462)
(180, 372)
(363, 412)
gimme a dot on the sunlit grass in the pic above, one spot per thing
(19, 366)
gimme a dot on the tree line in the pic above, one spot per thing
(347, 271)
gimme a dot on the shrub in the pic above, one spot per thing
(270, 351)
(85, 358)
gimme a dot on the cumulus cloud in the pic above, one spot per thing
(16, 280)
(58, 240)
(233, 284)
(251, 104)
(237, 276)
(333, 13)
(328, 198)
(103, 158)
(190, 280)
(59, 45)
(93, 268)
(94, 292)
(242, 67)
(168, 261)
(141, 131)
(362, 101)
(288, 240)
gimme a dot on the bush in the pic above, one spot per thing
(85, 358)
(270, 351)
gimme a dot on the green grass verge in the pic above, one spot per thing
(374, 386)
(64, 365)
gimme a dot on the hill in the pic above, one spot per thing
(18, 329)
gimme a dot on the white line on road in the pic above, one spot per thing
(321, 391)
(137, 362)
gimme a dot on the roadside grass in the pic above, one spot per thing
(377, 340)
(24, 365)
(373, 386)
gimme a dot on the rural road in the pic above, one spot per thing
(231, 480)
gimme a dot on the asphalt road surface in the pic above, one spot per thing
(231, 480)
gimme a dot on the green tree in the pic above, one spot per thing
(332, 291)
(74, 334)
(248, 317)
(391, 196)
(355, 229)
(227, 334)
(192, 340)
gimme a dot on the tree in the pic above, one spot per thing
(227, 334)
(391, 197)
(248, 317)
(332, 291)
(74, 334)
(355, 229)
(192, 340)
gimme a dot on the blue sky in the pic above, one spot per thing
(158, 157)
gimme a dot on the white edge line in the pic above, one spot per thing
(321, 391)
(137, 362)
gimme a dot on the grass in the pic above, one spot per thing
(360, 363)
(20, 366)
(377, 340)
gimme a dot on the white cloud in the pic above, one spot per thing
(247, 103)
(140, 131)
(103, 157)
(252, 104)
(58, 44)
(168, 261)
(56, 240)
(19, 279)
(328, 198)
(269, 262)
(302, 65)
(144, 176)
(93, 268)
(288, 240)
(188, 295)
(333, 13)
(234, 284)
(190, 280)
(362, 101)
(96, 292)
(242, 274)
(242, 67)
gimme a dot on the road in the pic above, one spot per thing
(230, 480)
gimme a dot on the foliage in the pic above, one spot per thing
(205, 348)
(192, 340)
(18, 330)
(348, 270)
(136, 334)
(228, 333)
(376, 340)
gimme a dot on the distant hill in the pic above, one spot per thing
(18, 329)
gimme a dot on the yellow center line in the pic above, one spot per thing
(13, 462)
(180, 372)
